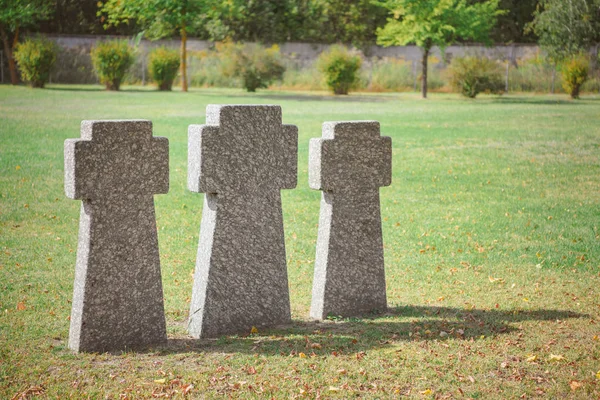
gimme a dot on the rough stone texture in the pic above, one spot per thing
(241, 159)
(116, 168)
(349, 164)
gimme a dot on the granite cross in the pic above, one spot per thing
(116, 168)
(349, 164)
(241, 159)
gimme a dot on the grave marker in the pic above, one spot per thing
(349, 163)
(116, 168)
(241, 159)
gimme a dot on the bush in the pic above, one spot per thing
(111, 60)
(255, 65)
(472, 75)
(163, 66)
(574, 73)
(340, 68)
(35, 58)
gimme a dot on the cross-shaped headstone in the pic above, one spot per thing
(116, 168)
(241, 159)
(349, 164)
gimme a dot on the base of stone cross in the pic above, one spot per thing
(349, 269)
(118, 296)
(241, 274)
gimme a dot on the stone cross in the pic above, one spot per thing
(349, 164)
(116, 168)
(241, 159)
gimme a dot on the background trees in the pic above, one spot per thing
(15, 15)
(436, 23)
(160, 18)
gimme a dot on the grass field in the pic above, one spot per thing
(492, 252)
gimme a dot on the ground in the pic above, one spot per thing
(492, 253)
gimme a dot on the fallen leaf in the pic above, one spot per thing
(21, 306)
(161, 381)
(426, 392)
(575, 385)
(301, 355)
(253, 330)
(556, 357)
(334, 389)
(342, 371)
(598, 375)
(185, 389)
(18, 167)
(531, 358)
(443, 334)
(315, 346)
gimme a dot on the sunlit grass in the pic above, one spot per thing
(492, 252)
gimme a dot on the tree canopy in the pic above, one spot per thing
(14, 15)
(436, 23)
(568, 27)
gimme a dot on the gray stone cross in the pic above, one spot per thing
(241, 159)
(116, 168)
(349, 164)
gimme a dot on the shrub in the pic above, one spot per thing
(472, 75)
(163, 66)
(255, 65)
(111, 60)
(340, 68)
(574, 73)
(35, 58)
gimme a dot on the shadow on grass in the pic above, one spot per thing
(354, 335)
(542, 101)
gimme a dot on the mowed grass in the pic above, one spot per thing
(492, 253)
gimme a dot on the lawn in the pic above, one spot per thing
(492, 254)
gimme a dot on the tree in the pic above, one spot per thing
(436, 23)
(160, 18)
(566, 27)
(14, 16)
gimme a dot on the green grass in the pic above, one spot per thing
(491, 231)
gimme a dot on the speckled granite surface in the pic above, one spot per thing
(116, 168)
(241, 159)
(349, 163)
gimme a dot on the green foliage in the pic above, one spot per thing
(340, 69)
(111, 60)
(566, 28)
(254, 64)
(574, 73)
(472, 75)
(15, 14)
(163, 66)
(437, 23)
(35, 58)
(160, 18)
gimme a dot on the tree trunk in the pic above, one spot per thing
(184, 84)
(424, 72)
(8, 49)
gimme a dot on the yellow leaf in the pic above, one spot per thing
(253, 330)
(161, 381)
(556, 357)
(531, 358)
(18, 167)
(598, 375)
(426, 392)
(334, 389)
(301, 355)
